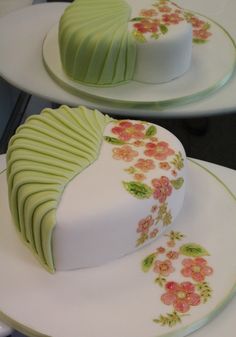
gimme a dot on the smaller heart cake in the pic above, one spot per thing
(85, 189)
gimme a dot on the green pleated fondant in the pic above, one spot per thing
(95, 44)
(43, 156)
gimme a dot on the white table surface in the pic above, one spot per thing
(224, 323)
(22, 34)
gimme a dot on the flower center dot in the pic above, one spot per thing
(181, 294)
(196, 269)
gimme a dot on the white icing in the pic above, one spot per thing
(97, 218)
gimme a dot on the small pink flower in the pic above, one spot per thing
(138, 143)
(145, 165)
(173, 18)
(148, 12)
(181, 295)
(139, 176)
(126, 130)
(196, 23)
(145, 224)
(161, 250)
(125, 153)
(174, 173)
(147, 26)
(159, 151)
(165, 9)
(154, 233)
(196, 268)
(162, 188)
(164, 165)
(172, 255)
(163, 268)
(202, 34)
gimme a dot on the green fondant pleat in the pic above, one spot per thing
(95, 44)
(43, 156)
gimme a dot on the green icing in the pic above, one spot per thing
(95, 44)
(43, 156)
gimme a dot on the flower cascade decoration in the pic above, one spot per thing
(155, 22)
(137, 144)
(182, 295)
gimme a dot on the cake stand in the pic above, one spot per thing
(21, 37)
(51, 301)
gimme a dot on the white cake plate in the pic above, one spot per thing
(122, 299)
(212, 66)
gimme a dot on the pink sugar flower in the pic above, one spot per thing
(162, 188)
(181, 295)
(161, 250)
(172, 255)
(139, 176)
(163, 268)
(126, 130)
(202, 34)
(148, 12)
(196, 268)
(147, 26)
(164, 165)
(159, 151)
(125, 153)
(154, 233)
(196, 23)
(145, 224)
(145, 165)
(173, 18)
(165, 9)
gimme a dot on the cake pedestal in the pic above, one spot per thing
(21, 38)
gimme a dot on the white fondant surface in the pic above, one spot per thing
(97, 218)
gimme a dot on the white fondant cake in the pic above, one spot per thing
(85, 189)
(108, 42)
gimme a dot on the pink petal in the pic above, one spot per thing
(172, 286)
(187, 286)
(199, 277)
(168, 298)
(187, 272)
(194, 299)
(181, 306)
(187, 262)
(207, 270)
(200, 261)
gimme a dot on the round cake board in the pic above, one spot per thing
(211, 67)
(130, 296)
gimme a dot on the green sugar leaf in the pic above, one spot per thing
(151, 131)
(199, 41)
(163, 29)
(114, 141)
(137, 18)
(193, 250)
(178, 183)
(138, 190)
(147, 263)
